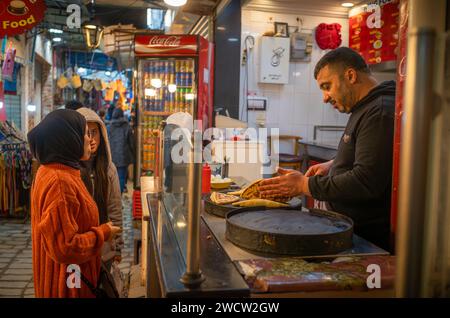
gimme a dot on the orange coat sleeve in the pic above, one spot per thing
(62, 241)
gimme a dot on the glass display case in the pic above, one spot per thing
(181, 255)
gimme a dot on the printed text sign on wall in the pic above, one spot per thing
(275, 52)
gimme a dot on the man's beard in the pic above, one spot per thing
(347, 100)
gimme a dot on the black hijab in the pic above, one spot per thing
(59, 138)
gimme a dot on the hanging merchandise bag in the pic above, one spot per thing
(76, 81)
(88, 86)
(62, 82)
(113, 85)
(120, 87)
(109, 95)
(8, 64)
(104, 85)
(98, 85)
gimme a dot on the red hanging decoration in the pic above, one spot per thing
(328, 36)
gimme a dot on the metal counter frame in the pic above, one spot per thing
(166, 264)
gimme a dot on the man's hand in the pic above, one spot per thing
(114, 230)
(290, 183)
(320, 169)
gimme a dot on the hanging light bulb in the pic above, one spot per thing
(150, 92)
(156, 82)
(175, 3)
(172, 88)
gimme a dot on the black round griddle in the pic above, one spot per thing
(221, 210)
(288, 231)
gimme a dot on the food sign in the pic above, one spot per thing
(18, 16)
(373, 30)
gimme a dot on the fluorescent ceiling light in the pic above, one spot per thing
(233, 40)
(347, 4)
(108, 73)
(56, 39)
(31, 108)
(190, 96)
(56, 31)
(221, 28)
(175, 3)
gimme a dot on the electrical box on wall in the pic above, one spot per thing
(301, 47)
(274, 62)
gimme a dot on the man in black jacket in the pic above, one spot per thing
(357, 182)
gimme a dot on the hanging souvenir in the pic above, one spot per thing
(8, 64)
(113, 85)
(88, 86)
(104, 85)
(62, 82)
(109, 95)
(120, 87)
(76, 81)
(98, 85)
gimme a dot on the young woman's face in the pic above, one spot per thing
(87, 145)
(94, 134)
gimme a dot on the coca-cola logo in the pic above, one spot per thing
(165, 41)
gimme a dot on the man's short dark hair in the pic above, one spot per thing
(74, 104)
(343, 57)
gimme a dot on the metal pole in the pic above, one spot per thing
(193, 276)
(413, 164)
(160, 157)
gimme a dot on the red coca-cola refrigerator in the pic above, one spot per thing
(174, 74)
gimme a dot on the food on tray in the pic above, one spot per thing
(260, 202)
(236, 192)
(222, 198)
(252, 192)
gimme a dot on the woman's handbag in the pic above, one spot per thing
(106, 287)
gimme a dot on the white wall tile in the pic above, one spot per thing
(296, 107)
(315, 110)
(300, 130)
(302, 77)
(300, 109)
(330, 115)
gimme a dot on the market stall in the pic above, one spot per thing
(299, 252)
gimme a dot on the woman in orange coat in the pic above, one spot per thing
(66, 235)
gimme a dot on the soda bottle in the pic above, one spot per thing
(189, 73)
(183, 74)
(177, 73)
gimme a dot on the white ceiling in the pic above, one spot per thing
(327, 8)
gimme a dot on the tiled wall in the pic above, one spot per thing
(294, 108)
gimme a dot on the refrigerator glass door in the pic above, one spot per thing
(165, 86)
